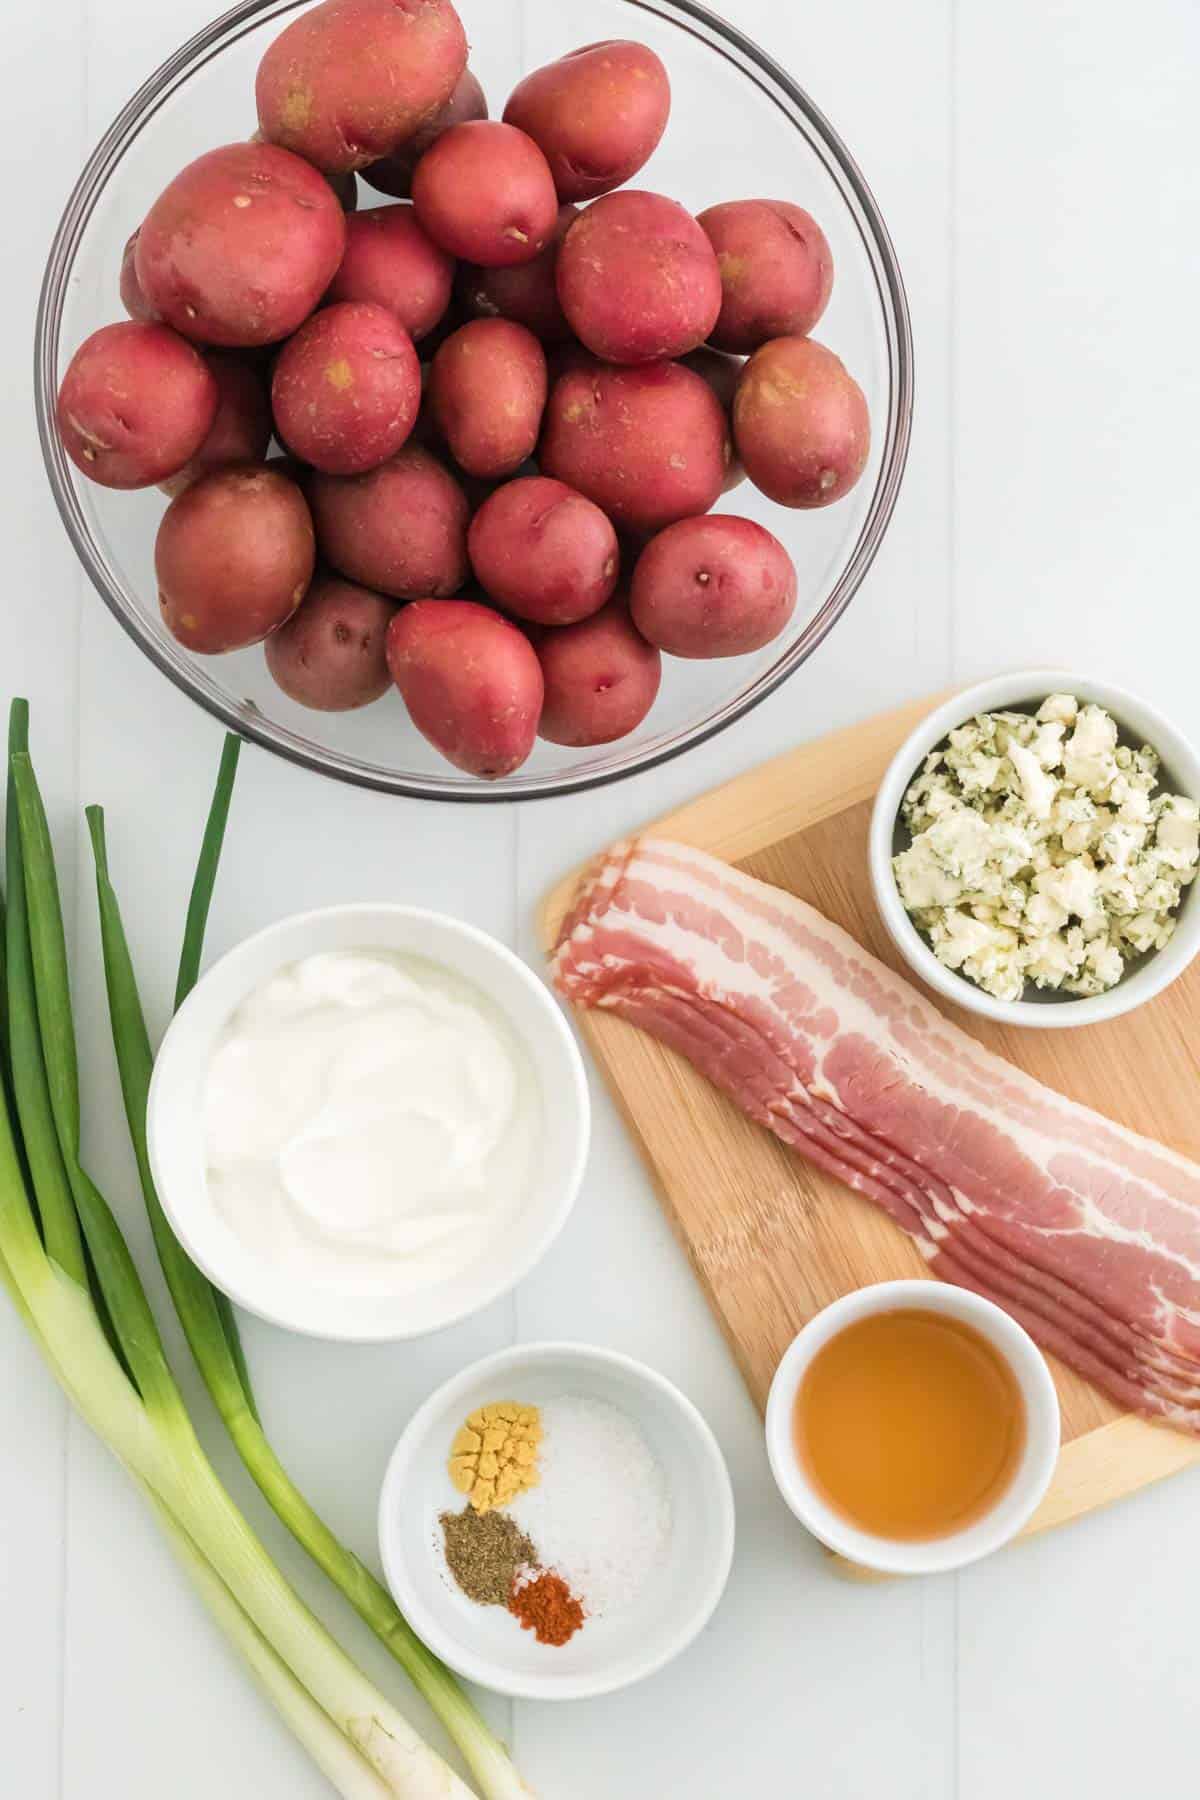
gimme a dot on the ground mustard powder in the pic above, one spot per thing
(494, 1456)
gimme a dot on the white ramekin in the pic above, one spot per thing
(1015, 1506)
(175, 1122)
(1044, 1011)
(484, 1643)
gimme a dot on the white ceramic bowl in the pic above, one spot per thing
(1020, 1499)
(175, 1123)
(485, 1643)
(1041, 1009)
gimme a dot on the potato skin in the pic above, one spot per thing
(391, 262)
(392, 174)
(597, 114)
(349, 80)
(776, 271)
(601, 678)
(234, 557)
(484, 192)
(544, 552)
(132, 297)
(722, 374)
(526, 292)
(649, 445)
(708, 587)
(136, 402)
(346, 389)
(401, 528)
(801, 423)
(331, 655)
(471, 681)
(241, 427)
(239, 248)
(487, 393)
(638, 279)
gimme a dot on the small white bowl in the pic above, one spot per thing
(1041, 1009)
(485, 1644)
(175, 1122)
(1020, 1499)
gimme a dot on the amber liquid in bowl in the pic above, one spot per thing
(910, 1424)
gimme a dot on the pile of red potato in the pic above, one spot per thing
(507, 401)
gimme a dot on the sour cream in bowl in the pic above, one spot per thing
(368, 1122)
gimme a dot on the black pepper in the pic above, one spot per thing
(484, 1553)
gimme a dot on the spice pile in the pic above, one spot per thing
(567, 1512)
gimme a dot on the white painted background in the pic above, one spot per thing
(1037, 168)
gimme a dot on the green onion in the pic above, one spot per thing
(31, 1095)
(196, 1306)
(189, 969)
(140, 1414)
(343, 1766)
(206, 870)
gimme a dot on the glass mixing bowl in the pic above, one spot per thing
(739, 126)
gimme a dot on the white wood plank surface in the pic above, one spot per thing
(1036, 164)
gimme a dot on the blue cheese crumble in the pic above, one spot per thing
(1043, 851)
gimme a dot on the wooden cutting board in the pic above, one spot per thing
(772, 1239)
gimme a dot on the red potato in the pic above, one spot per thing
(132, 297)
(485, 193)
(390, 261)
(776, 271)
(346, 389)
(638, 279)
(393, 174)
(234, 557)
(649, 445)
(487, 394)
(349, 80)
(433, 340)
(601, 678)
(471, 681)
(136, 402)
(543, 551)
(717, 586)
(239, 248)
(801, 423)
(526, 292)
(345, 187)
(241, 427)
(401, 529)
(331, 655)
(597, 114)
(722, 374)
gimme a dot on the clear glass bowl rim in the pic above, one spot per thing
(244, 719)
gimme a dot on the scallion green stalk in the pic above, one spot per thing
(343, 1766)
(140, 1414)
(29, 1085)
(195, 1304)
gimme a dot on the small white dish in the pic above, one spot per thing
(1043, 1010)
(175, 1122)
(486, 1644)
(1015, 1506)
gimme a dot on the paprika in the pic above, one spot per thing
(546, 1606)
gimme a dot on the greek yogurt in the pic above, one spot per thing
(370, 1123)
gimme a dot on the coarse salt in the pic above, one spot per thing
(601, 1514)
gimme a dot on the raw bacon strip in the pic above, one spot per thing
(1086, 1231)
(705, 1036)
(708, 1038)
(951, 1054)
